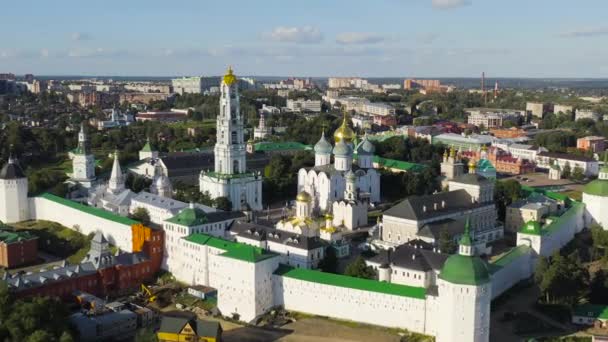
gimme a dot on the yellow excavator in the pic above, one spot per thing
(148, 293)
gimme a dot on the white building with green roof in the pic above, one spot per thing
(595, 197)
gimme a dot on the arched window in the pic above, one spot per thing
(234, 138)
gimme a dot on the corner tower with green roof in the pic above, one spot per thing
(464, 289)
(595, 197)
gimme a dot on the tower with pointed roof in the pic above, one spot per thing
(230, 177)
(83, 163)
(595, 197)
(14, 204)
(464, 294)
(148, 152)
(117, 179)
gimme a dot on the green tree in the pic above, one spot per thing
(223, 203)
(359, 269)
(505, 193)
(567, 170)
(446, 243)
(578, 174)
(330, 261)
(562, 280)
(598, 288)
(142, 215)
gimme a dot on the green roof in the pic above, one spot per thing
(465, 239)
(598, 187)
(465, 270)
(351, 282)
(395, 164)
(234, 250)
(280, 146)
(511, 255)
(485, 165)
(90, 210)
(189, 217)
(532, 228)
(553, 195)
(591, 310)
(147, 147)
(535, 228)
(9, 237)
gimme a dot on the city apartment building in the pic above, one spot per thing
(591, 143)
(586, 114)
(347, 82)
(562, 109)
(381, 109)
(537, 109)
(301, 105)
(492, 118)
(589, 166)
(424, 84)
(188, 85)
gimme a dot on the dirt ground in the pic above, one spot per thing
(307, 329)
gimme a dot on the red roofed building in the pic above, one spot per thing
(503, 161)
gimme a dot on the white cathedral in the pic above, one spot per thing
(230, 178)
(327, 183)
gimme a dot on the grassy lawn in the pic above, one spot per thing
(188, 300)
(58, 240)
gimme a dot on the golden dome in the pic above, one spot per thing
(471, 166)
(229, 78)
(344, 132)
(303, 197)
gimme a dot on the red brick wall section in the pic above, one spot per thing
(18, 253)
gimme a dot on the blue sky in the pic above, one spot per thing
(396, 38)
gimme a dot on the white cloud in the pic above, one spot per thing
(300, 35)
(586, 32)
(449, 4)
(95, 53)
(358, 38)
(427, 37)
(80, 36)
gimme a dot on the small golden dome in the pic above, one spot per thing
(344, 132)
(303, 197)
(229, 78)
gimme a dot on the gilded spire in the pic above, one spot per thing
(229, 78)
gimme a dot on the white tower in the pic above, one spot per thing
(465, 293)
(83, 163)
(230, 146)
(230, 178)
(14, 204)
(117, 179)
(595, 197)
(261, 132)
(161, 185)
(322, 151)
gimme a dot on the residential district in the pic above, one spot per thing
(302, 197)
